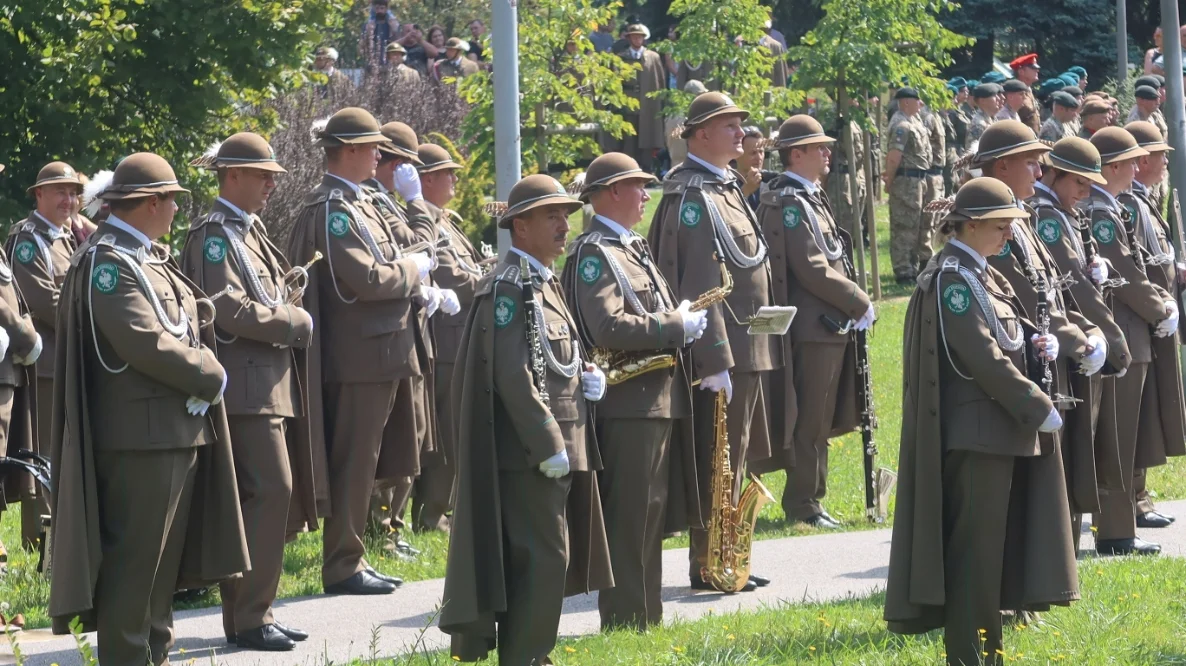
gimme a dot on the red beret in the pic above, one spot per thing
(1027, 60)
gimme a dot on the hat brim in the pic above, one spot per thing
(53, 181)
(690, 126)
(331, 140)
(1157, 147)
(1059, 165)
(438, 166)
(636, 32)
(1023, 149)
(391, 150)
(1010, 213)
(1127, 154)
(629, 175)
(270, 166)
(802, 141)
(558, 199)
(142, 192)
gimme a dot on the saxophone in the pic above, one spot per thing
(621, 366)
(730, 528)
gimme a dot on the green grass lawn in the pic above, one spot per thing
(26, 592)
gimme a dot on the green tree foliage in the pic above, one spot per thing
(89, 81)
(710, 31)
(858, 46)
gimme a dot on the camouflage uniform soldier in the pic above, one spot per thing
(987, 104)
(905, 176)
(955, 124)
(937, 134)
(1064, 111)
(838, 187)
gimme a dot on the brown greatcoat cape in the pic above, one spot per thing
(22, 427)
(475, 578)
(916, 589)
(302, 514)
(1163, 425)
(216, 547)
(648, 119)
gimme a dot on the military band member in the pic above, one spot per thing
(808, 257)
(142, 457)
(399, 72)
(1143, 310)
(981, 523)
(262, 337)
(39, 248)
(1090, 456)
(647, 120)
(986, 103)
(1064, 111)
(703, 211)
(363, 354)
(907, 170)
(455, 65)
(1162, 431)
(621, 302)
(528, 527)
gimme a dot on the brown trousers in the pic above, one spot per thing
(635, 454)
(817, 379)
(7, 394)
(535, 554)
(35, 506)
(144, 506)
(355, 416)
(747, 396)
(1117, 516)
(265, 490)
(1143, 503)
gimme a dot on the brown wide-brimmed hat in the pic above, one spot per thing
(242, 150)
(535, 191)
(56, 172)
(1148, 136)
(435, 158)
(708, 106)
(396, 47)
(350, 126)
(456, 43)
(801, 130)
(636, 29)
(1076, 155)
(1004, 138)
(401, 142)
(985, 199)
(141, 175)
(1116, 145)
(612, 168)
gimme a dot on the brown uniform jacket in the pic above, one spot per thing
(443, 69)
(457, 269)
(18, 323)
(684, 240)
(40, 256)
(21, 430)
(500, 413)
(403, 74)
(108, 322)
(779, 73)
(261, 346)
(650, 78)
(998, 411)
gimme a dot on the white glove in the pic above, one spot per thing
(218, 398)
(407, 182)
(196, 406)
(1047, 345)
(311, 322)
(1052, 423)
(1168, 326)
(593, 383)
(866, 320)
(717, 383)
(450, 305)
(4, 342)
(694, 322)
(556, 466)
(1093, 361)
(431, 297)
(424, 263)
(33, 355)
(1098, 270)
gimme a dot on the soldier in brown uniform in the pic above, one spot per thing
(262, 333)
(39, 248)
(1142, 310)
(399, 72)
(981, 523)
(621, 303)
(813, 272)
(703, 211)
(528, 528)
(1090, 456)
(647, 120)
(363, 354)
(455, 65)
(1162, 430)
(145, 499)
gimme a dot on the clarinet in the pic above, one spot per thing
(1042, 314)
(538, 369)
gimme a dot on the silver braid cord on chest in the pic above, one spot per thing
(628, 291)
(254, 284)
(980, 294)
(729, 246)
(1075, 236)
(5, 273)
(367, 238)
(461, 262)
(566, 370)
(1155, 254)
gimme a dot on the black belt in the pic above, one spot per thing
(935, 171)
(912, 173)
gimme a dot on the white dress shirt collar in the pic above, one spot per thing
(624, 234)
(811, 188)
(133, 231)
(1047, 190)
(544, 271)
(353, 186)
(980, 261)
(723, 173)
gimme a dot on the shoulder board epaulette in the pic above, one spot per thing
(487, 283)
(215, 218)
(455, 215)
(674, 187)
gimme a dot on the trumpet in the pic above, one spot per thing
(296, 280)
(208, 304)
(426, 245)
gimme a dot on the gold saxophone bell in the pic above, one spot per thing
(296, 280)
(208, 304)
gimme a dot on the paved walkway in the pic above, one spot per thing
(809, 568)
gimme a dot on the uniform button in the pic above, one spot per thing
(933, 412)
(931, 351)
(483, 329)
(928, 320)
(488, 390)
(779, 280)
(932, 384)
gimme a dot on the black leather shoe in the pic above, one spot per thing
(404, 548)
(1154, 519)
(760, 581)
(266, 638)
(698, 583)
(1134, 546)
(361, 583)
(295, 634)
(824, 513)
(822, 521)
(384, 577)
